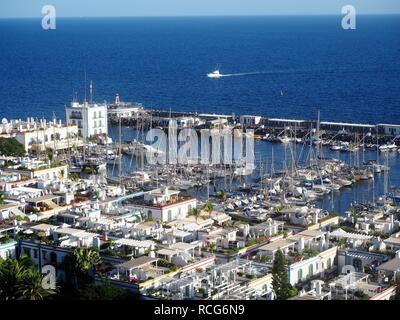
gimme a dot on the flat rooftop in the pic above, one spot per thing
(278, 244)
(136, 263)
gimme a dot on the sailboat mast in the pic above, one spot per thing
(120, 152)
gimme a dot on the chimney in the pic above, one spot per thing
(315, 217)
(318, 287)
(246, 230)
(328, 234)
(300, 245)
(322, 244)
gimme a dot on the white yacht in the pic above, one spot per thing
(215, 74)
(388, 147)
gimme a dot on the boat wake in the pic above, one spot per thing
(241, 74)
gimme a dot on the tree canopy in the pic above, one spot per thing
(19, 279)
(10, 147)
(280, 281)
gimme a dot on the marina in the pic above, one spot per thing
(203, 228)
(205, 159)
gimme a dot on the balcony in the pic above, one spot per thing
(75, 115)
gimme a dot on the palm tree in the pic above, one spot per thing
(212, 246)
(354, 214)
(11, 273)
(20, 280)
(221, 196)
(80, 264)
(2, 197)
(195, 212)
(86, 259)
(208, 207)
(26, 262)
(31, 287)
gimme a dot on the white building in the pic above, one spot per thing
(41, 135)
(8, 250)
(166, 205)
(307, 268)
(91, 119)
(250, 120)
(125, 109)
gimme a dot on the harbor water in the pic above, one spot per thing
(364, 191)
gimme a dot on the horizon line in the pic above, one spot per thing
(205, 16)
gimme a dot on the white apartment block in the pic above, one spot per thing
(91, 119)
(41, 135)
(166, 205)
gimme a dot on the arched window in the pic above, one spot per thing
(150, 214)
(53, 258)
(357, 264)
(300, 274)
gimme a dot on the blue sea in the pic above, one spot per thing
(350, 75)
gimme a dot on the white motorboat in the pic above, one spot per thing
(336, 147)
(388, 147)
(265, 138)
(215, 74)
(284, 139)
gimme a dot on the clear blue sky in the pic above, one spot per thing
(90, 8)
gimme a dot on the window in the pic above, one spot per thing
(150, 214)
(94, 115)
(329, 263)
(44, 255)
(310, 270)
(53, 257)
(357, 264)
(27, 252)
(35, 253)
(300, 274)
(169, 215)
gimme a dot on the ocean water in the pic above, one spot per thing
(350, 75)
